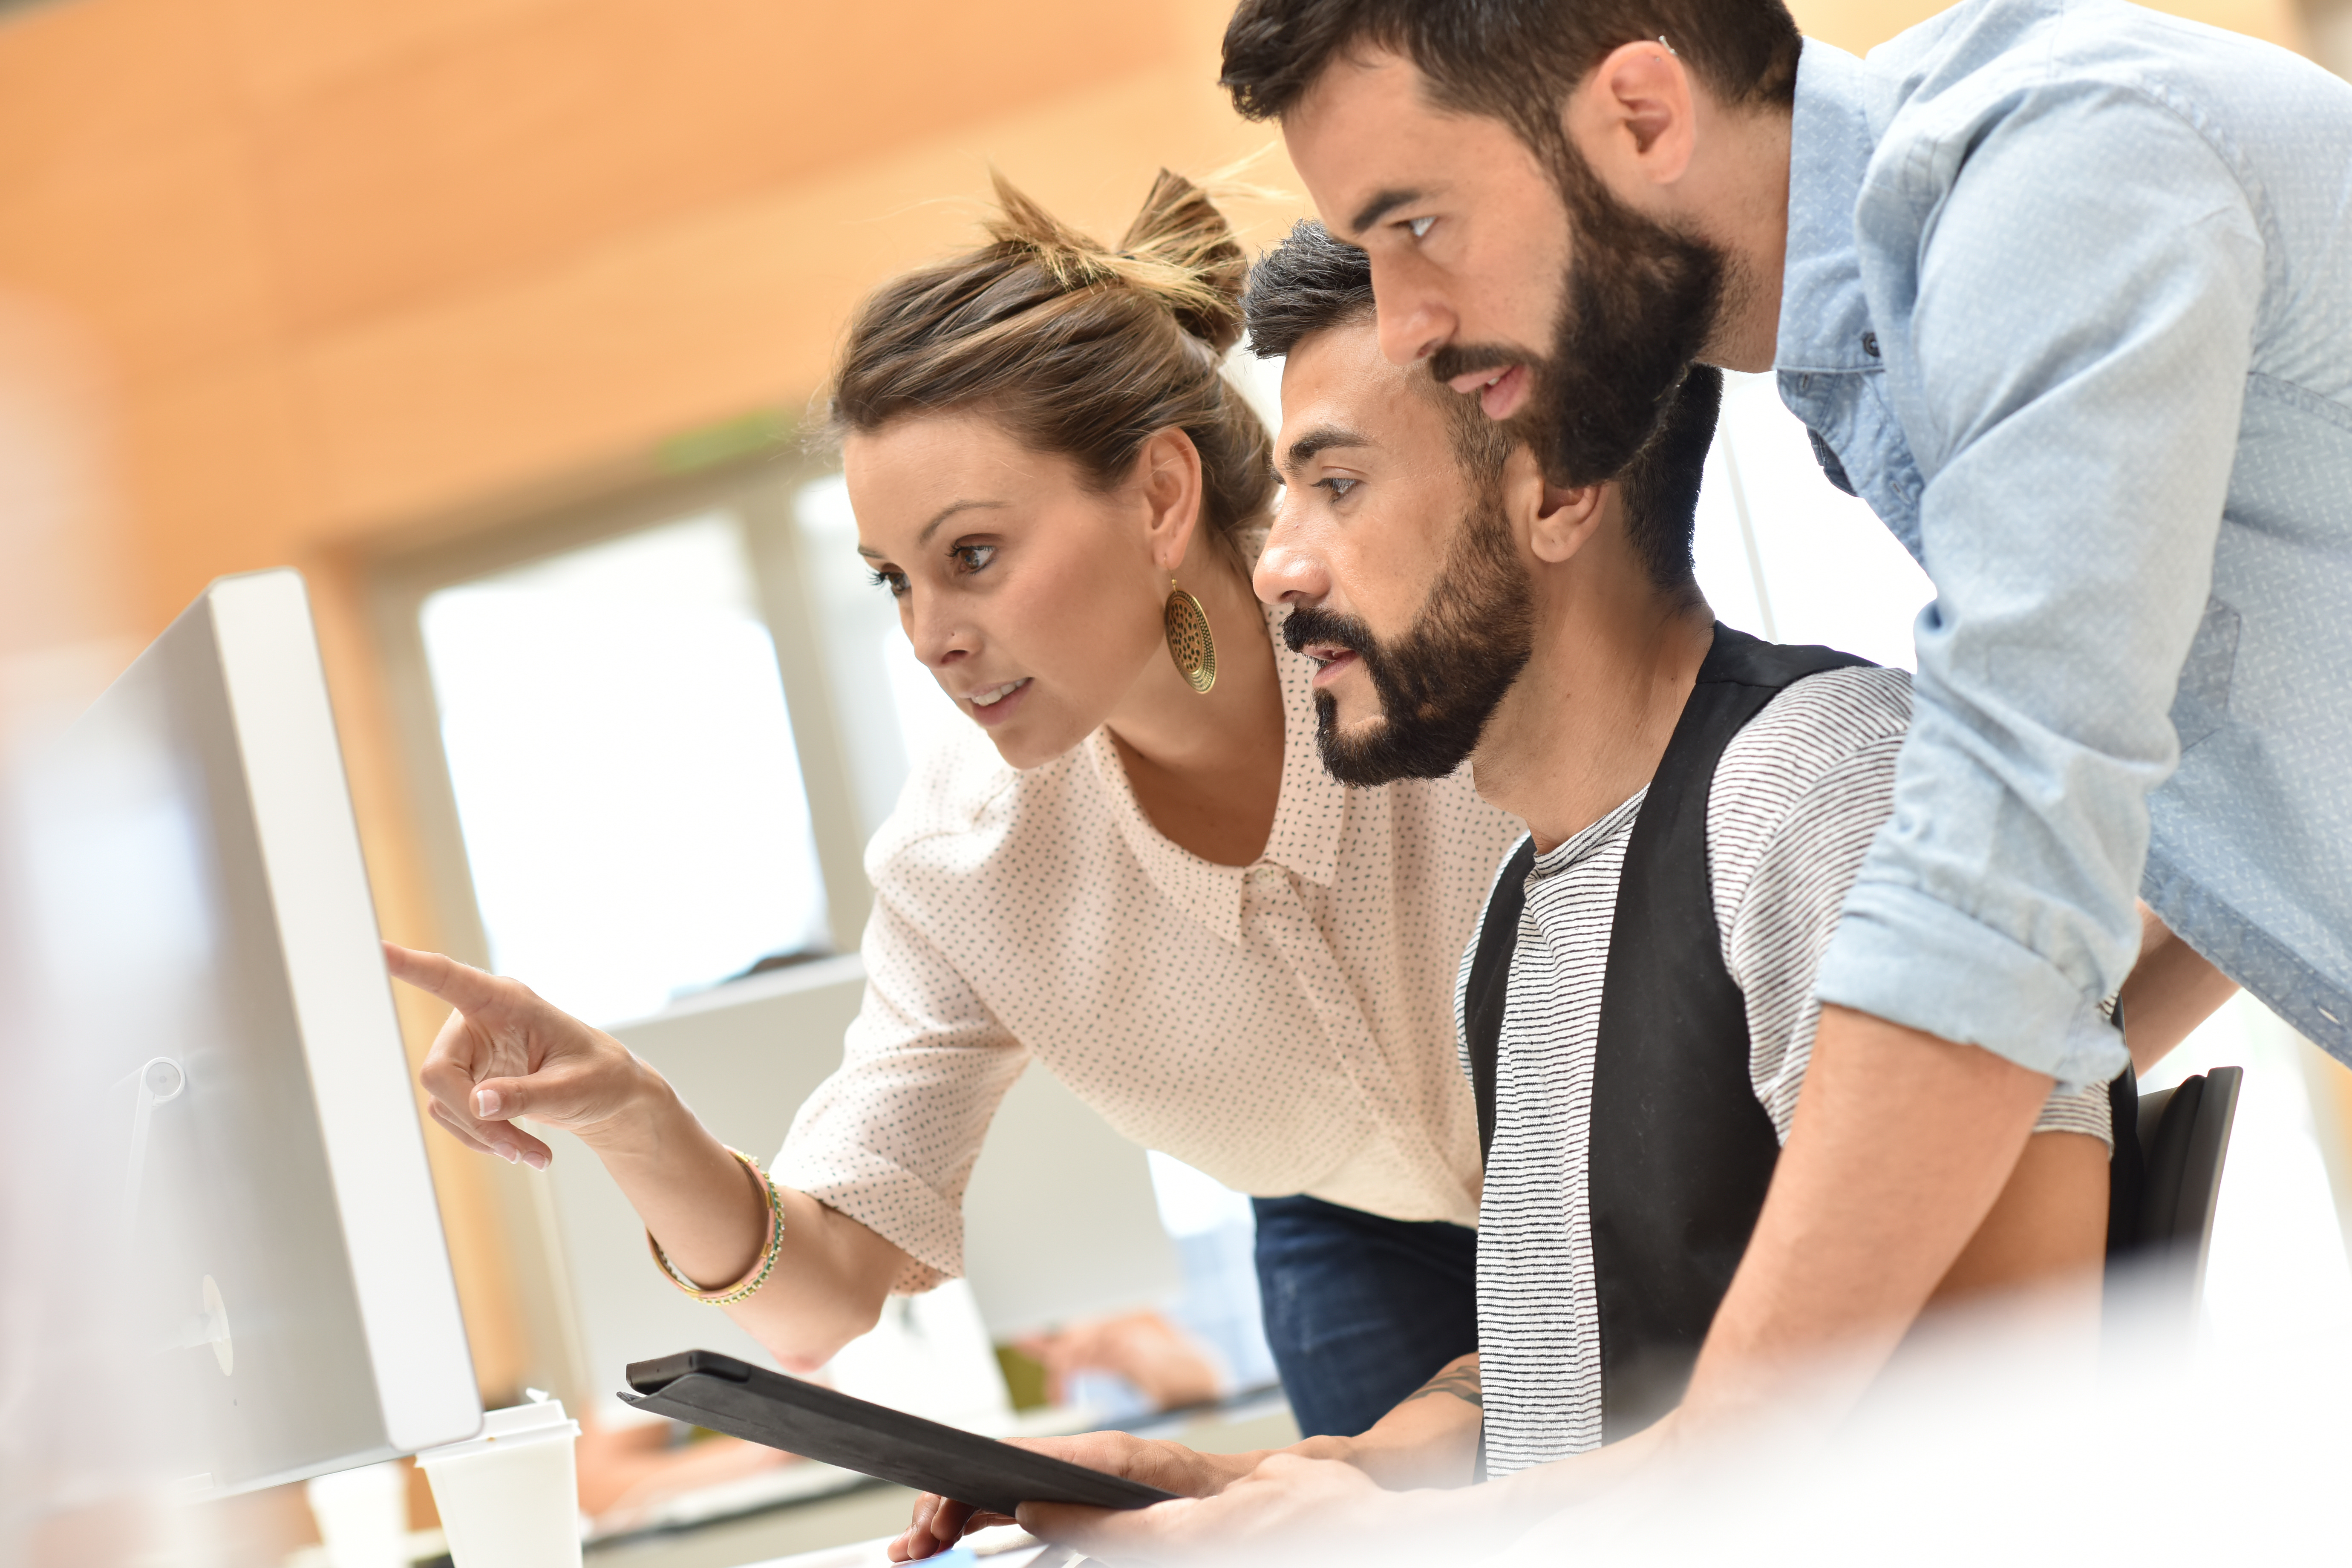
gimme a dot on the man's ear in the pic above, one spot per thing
(1633, 118)
(1555, 522)
(1167, 475)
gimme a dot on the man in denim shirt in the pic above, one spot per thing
(2065, 291)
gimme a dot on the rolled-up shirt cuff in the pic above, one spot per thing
(1901, 955)
(893, 1202)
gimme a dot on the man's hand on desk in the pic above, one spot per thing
(939, 1522)
(1286, 1504)
(1304, 1502)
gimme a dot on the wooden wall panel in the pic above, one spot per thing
(220, 470)
(102, 77)
(576, 124)
(154, 245)
(288, 48)
(736, 308)
(1861, 25)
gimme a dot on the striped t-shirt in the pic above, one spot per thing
(1796, 800)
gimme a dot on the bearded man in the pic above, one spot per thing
(1637, 1008)
(2063, 289)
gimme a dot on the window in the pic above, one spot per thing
(624, 771)
(894, 711)
(651, 739)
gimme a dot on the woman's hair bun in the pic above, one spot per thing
(1073, 348)
(1180, 251)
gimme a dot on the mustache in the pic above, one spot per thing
(1465, 359)
(1312, 623)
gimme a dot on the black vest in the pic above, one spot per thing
(1681, 1153)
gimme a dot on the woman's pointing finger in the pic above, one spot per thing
(461, 986)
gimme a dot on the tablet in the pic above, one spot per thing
(724, 1394)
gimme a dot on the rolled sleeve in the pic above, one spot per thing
(1904, 956)
(2070, 379)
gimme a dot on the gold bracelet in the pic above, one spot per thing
(757, 1274)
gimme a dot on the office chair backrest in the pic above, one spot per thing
(2184, 1137)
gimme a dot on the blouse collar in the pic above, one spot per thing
(1309, 817)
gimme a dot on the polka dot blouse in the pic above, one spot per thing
(1286, 1026)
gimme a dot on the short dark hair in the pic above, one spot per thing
(1309, 282)
(1660, 486)
(1512, 60)
(1313, 281)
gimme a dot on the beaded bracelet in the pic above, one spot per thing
(728, 1295)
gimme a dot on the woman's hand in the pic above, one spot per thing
(938, 1522)
(505, 1053)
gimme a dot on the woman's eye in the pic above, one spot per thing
(1338, 486)
(1419, 226)
(971, 558)
(893, 581)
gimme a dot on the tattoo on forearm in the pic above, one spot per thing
(1460, 1380)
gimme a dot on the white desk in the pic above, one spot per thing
(1006, 1547)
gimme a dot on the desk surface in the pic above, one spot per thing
(1005, 1548)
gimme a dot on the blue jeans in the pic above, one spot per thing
(1361, 1310)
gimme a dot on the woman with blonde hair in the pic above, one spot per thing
(1133, 866)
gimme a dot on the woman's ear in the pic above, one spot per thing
(1167, 477)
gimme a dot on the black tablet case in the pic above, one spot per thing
(724, 1394)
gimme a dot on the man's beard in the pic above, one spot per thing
(1441, 681)
(1636, 308)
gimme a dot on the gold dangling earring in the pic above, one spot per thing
(1190, 643)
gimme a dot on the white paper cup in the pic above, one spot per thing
(510, 1498)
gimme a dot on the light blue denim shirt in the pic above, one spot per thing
(2069, 303)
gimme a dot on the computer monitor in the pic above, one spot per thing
(256, 1280)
